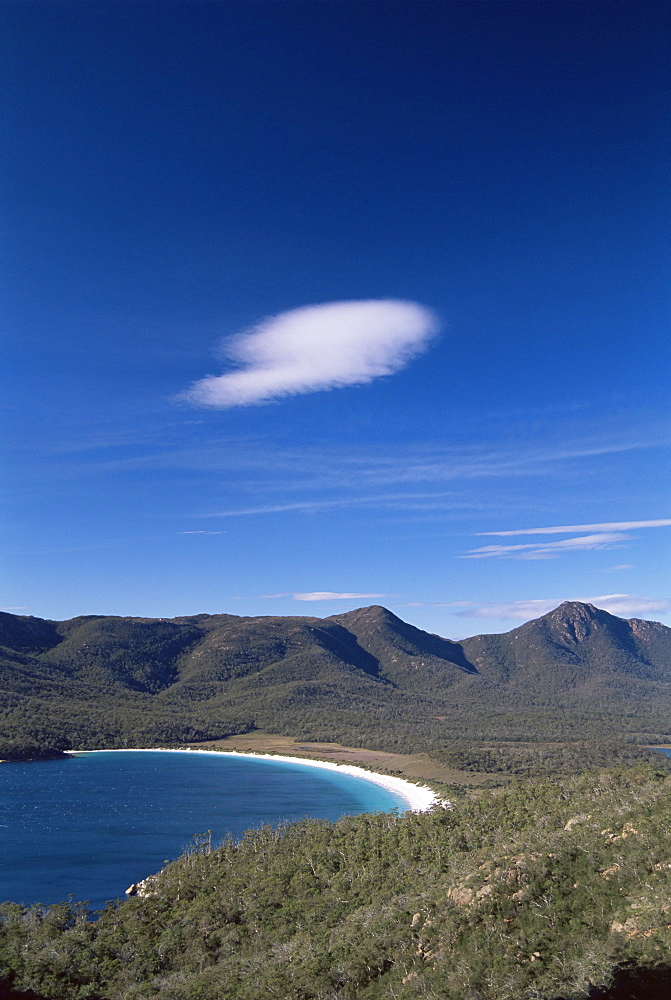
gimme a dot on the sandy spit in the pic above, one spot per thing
(419, 798)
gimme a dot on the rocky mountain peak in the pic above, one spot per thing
(374, 614)
(576, 620)
(575, 610)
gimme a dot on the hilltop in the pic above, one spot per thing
(365, 677)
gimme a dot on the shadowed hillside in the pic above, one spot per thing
(574, 649)
(364, 678)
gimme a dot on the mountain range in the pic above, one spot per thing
(364, 675)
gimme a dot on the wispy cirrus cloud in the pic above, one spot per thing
(199, 532)
(547, 550)
(565, 529)
(616, 604)
(401, 501)
(325, 595)
(268, 474)
(605, 535)
(317, 347)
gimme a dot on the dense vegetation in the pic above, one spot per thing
(364, 678)
(552, 889)
(543, 759)
(558, 888)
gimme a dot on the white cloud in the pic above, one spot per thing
(517, 610)
(309, 506)
(547, 550)
(628, 604)
(566, 529)
(200, 532)
(403, 501)
(437, 604)
(324, 595)
(616, 604)
(315, 348)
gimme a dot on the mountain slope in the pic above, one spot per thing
(406, 655)
(576, 649)
(357, 677)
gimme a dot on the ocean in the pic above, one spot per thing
(89, 826)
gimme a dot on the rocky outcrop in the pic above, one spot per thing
(145, 887)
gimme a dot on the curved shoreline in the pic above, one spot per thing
(419, 798)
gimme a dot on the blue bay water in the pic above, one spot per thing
(89, 826)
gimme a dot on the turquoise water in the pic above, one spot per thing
(90, 825)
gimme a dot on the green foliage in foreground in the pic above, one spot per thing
(537, 891)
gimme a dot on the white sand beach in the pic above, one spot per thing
(419, 798)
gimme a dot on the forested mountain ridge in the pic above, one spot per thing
(576, 644)
(363, 675)
(153, 653)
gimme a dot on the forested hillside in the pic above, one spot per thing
(552, 889)
(364, 678)
(540, 891)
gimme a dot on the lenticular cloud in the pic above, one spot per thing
(315, 348)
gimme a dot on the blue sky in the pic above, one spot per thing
(313, 304)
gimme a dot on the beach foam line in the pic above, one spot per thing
(419, 798)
